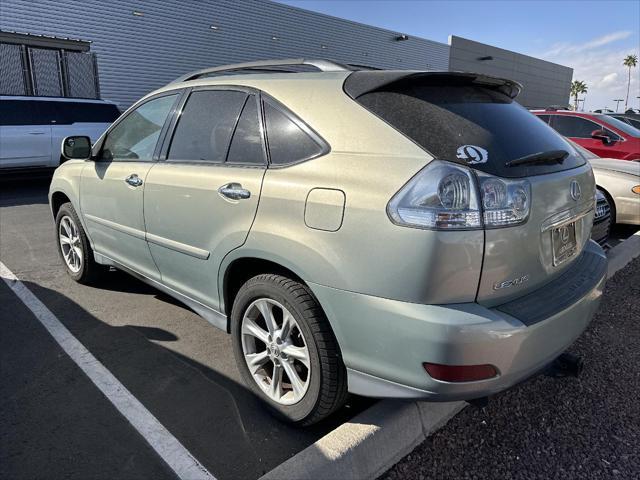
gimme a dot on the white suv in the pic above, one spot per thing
(32, 128)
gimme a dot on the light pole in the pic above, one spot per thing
(618, 100)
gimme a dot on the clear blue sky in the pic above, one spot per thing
(590, 36)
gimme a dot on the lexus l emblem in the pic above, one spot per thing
(575, 190)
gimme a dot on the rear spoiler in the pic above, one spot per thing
(364, 81)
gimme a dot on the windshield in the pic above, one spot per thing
(470, 124)
(620, 125)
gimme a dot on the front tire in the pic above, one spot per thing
(74, 247)
(285, 349)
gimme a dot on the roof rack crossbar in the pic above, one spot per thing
(264, 65)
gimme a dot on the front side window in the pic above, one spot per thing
(136, 136)
(206, 124)
(22, 112)
(574, 126)
(288, 142)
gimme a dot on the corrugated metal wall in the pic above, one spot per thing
(139, 52)
(544, 83)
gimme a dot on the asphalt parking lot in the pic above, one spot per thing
(55, 423)
(586, 427)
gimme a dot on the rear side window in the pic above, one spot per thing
(469, 124)
(246, 145)
(289, 141)
(44, 112)
(544, 118)
(205, 127)
(83, 112)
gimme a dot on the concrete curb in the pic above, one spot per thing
(376, 439)
(369, 444)
(620, 255)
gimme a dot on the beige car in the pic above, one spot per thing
(619, 181)
(387, 233)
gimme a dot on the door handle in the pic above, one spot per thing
(36, 133)
(133, 180)
(234, 191)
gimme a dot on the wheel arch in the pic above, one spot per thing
(58, 198)
(240, 269)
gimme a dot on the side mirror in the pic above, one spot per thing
(76, 148)
(601, 135)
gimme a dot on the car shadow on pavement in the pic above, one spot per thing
(222, 423)
(24, 189)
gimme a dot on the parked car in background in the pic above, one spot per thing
(601, 220)
(632, 119)
(619, 183)
(32, 128)
(396, 234)
(601, 134)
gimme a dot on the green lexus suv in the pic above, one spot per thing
(401, 234)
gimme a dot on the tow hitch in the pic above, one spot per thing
(566, 365)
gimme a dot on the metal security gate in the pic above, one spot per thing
(13, 69)
(47, 72)
(81, 74)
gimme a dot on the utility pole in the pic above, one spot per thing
(618, 100)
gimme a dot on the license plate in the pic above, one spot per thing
(563, 242)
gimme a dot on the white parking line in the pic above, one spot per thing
(174, 454)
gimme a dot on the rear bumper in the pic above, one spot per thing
(385, 342)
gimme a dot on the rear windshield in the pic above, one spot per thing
(470, 124)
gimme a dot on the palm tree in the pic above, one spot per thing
(577, 87)
(630, 61)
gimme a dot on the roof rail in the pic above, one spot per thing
(265, 65)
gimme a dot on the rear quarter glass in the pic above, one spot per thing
(470, 125)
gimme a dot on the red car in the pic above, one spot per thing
(603, 135)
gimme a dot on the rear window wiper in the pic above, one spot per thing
(540, 157)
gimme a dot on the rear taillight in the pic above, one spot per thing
(445, 196)
(460, 373)
(504, 202)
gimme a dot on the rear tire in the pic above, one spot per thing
(74, 247)
(299, 335)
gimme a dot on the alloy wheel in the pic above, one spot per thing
(275, 351)
(70, 244)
